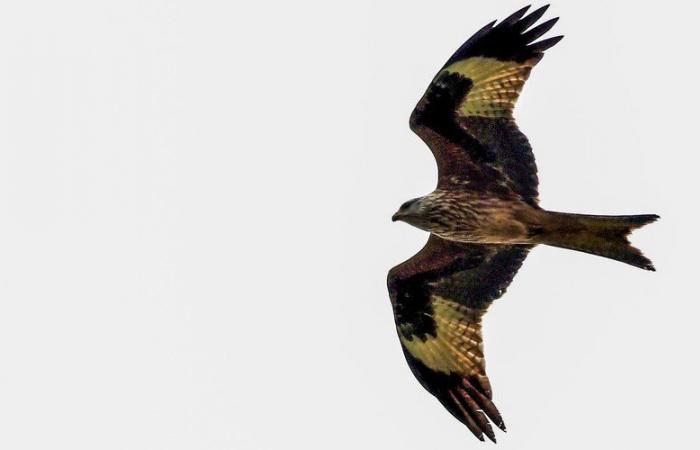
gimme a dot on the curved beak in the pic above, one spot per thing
(396, 216)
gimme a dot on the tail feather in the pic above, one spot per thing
(599, 235)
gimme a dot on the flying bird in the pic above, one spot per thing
(483, 217)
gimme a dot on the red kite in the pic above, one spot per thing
(483, 217)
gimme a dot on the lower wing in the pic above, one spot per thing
(439, 297)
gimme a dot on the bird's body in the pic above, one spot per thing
(484, 216)
(462, 215)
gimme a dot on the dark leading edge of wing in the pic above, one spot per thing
(439, 297)
(465, 115)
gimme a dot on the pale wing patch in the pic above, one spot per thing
(496, 85)
(457, 346)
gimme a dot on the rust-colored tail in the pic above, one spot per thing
(599, 235)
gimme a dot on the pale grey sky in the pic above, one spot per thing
(195, 234)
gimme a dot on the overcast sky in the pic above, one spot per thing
(195, 203)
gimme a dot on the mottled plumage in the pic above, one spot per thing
(483, 216)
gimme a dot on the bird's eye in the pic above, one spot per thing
(407, 204)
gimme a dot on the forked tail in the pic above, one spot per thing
(599, 235)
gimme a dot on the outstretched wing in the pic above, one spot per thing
(439, 297)
(466, 114)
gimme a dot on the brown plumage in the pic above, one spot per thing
(483, 216)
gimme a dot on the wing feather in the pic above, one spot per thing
(483, 79)
(539, 30)
(529, 20)
(439, 297)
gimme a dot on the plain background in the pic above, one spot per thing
(195, 203)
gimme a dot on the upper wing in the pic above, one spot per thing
(439, 297)
(466, 114)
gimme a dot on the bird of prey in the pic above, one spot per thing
(483, 217)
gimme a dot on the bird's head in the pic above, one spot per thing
(414, 212)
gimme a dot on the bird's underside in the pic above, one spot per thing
(440, 295)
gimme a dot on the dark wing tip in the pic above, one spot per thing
(492, 437)
(539, 30)
(509, 40)
(545, 44)
(530, 19)
(517, 15)
(474, 410)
